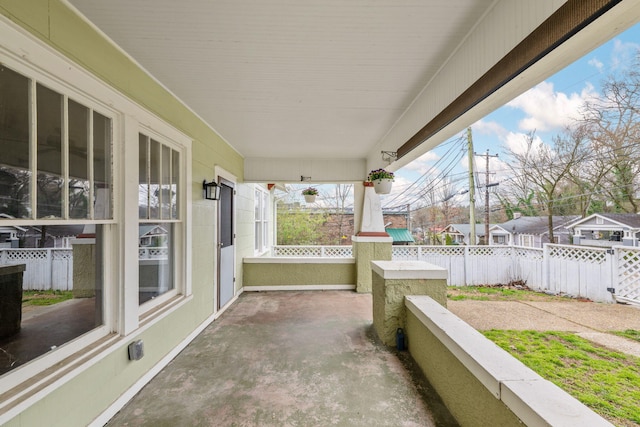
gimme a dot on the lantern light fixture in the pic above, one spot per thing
(211, 190)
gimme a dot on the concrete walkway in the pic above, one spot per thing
(592, 321)
(289, 359)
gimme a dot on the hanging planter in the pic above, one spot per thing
(310, 194)
(382, 180)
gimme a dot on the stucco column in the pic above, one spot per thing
(392, 281)
(84, 267)
(371, 241)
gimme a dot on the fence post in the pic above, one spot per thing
(545, 266)
(50, 264)
(467, 265)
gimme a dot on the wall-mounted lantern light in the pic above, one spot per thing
(211, 190)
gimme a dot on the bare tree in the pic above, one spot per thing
(612, 123)
(547, 167)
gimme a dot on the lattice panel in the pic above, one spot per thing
(491, 251)
(338, 251)
(569, 253)
(629, 273)
(530, 254)
(297, 251)
(26, 255)
(442, 250)
(404, 253)
(62, 254)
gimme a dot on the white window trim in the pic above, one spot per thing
(264, 220)
(26, 54)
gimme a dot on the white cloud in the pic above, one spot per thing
(489, 128)
(623, 54)
(423, 163)
(517, 142)
(597, 64)
(547, 109)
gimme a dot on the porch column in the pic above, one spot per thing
(371, 241)
(392, 281)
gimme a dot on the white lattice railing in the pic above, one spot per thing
(312, 251)
(628, 288)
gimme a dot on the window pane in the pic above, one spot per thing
(50, 179)
(78, 160)
(102, 183)
(165, 183)
(143, 180)
(14, 138)
(155, 260)
(175, 181)
(65, 268)
(154, 179)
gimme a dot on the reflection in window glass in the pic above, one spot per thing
(67, 271)
(175, 168)
(165, 186)
(154, 179)
(78, 160)
(155, 260)
(14, 138)
(50, 178)
(102, 166)
(143, 177)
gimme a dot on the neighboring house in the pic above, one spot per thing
(607, 229)
(460, 233)
(531, 231)
(400, 236)
(9, 234)
(152, 235)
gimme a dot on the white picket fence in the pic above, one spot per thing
(52, 269)
(573, 270)
(560, 269)
(47, 269)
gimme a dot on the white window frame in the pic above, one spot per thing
(261, 220)
(29, 56)
(527, 240)
(159, 132)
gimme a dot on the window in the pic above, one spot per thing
(261, 204)
(158, 196)
(526, 240)
(55, 197)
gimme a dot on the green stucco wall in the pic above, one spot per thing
(364, 253)
(283, 274)
(467, 399)
(389, 311)
(85, 396)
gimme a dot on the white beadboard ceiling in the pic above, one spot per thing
(291, 78)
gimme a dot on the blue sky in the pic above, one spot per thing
(545, 108)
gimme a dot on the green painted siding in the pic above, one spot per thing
(85, 396)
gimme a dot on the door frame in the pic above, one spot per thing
(223, 176)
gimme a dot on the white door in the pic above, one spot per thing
(226, 239)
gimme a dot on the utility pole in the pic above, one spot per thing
(486, 197)
(472, 191)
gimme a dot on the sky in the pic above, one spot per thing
(545, 109)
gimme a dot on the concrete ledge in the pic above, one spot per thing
(300, 288)
(298, 260)
(532, 399)
(408, 270)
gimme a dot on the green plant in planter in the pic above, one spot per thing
(377, 174)
(310, 191)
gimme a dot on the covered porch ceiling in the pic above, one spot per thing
(333, 79)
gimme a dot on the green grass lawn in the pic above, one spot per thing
(606, 381)
(498, 293)
(45, 297)
(629, 333)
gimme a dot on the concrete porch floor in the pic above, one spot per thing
(289, 359)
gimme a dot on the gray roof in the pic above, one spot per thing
(465, 229)
(536, 224)
(629, 219)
